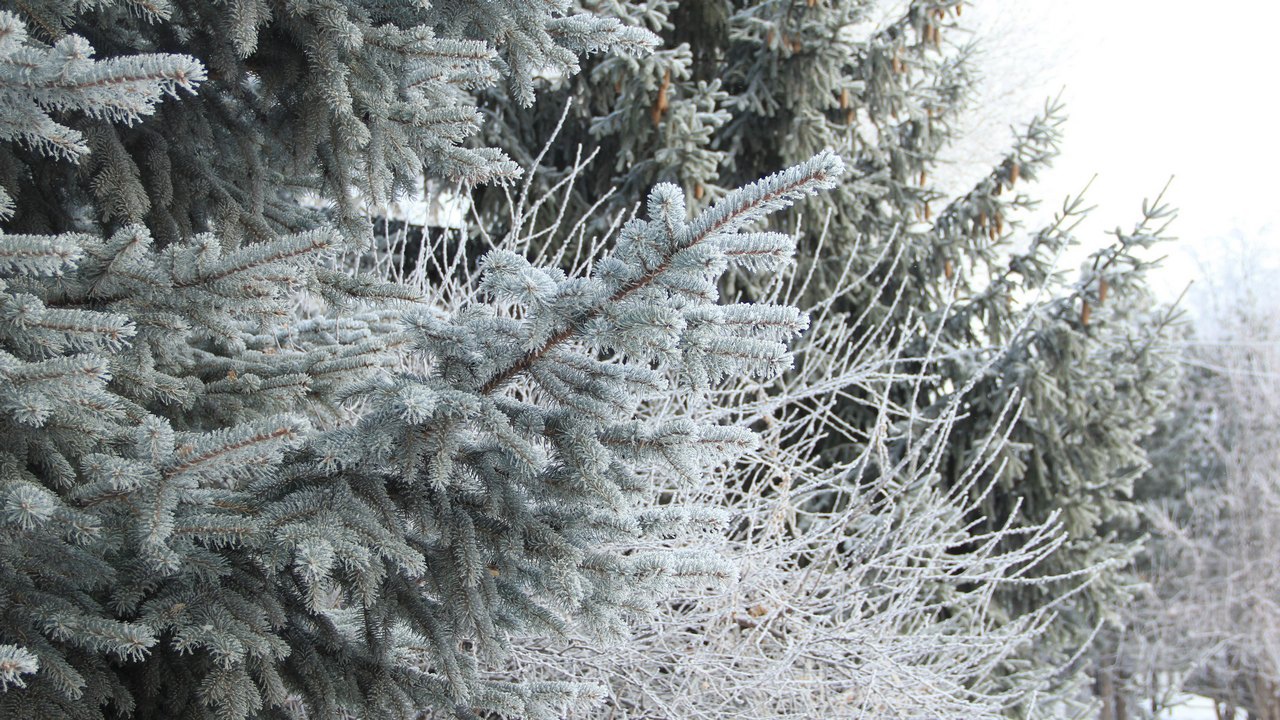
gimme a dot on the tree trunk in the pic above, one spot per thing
(1105, 687)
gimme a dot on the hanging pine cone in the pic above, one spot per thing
(661, 104)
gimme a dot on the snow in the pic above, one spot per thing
(1195, 707)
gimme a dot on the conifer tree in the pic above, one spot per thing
(1093, 368)
(218, 506)
(744, 84)
(848, 607)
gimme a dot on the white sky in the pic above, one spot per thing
(1154, 89)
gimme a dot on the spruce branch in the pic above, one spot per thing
(14, 663)
(37, 80)
(723, 218)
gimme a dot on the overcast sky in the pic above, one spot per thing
(1154, 89)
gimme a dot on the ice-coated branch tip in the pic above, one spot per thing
(775, 192)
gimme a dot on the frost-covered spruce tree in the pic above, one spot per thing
(323, 96)
(216, 508)
(741, 86)
(744, 84)
(1092, 365)
(835, 610)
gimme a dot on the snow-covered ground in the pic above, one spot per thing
(1195, 708)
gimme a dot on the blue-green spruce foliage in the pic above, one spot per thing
(213, 505)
